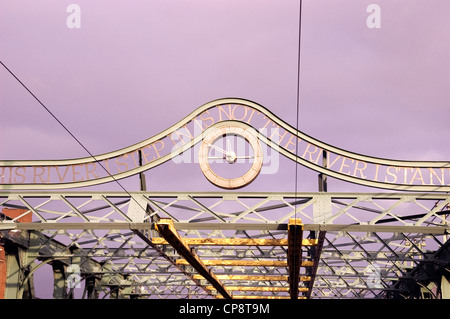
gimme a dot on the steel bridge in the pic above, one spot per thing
(227, 244)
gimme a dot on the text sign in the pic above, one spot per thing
(178, 144)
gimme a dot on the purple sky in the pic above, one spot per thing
(133, 69)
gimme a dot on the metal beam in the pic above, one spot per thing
(13, 273)
(19, 280)
(254, 277)
(167, 230)
(60, 281)
(2, 272)
(234, 242)
(435, 230)
(445, 288)
(415, 227)
(316, 253)
(294, 255)
(244, 288)
(250, 263)
(167, 257)
(263, 297)
(259, 288)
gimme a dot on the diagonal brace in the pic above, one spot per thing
(166, 228)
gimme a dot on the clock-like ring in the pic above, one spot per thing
(231, 128)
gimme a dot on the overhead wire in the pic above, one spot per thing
(297, 258)
(298, 86)
(70, 133)
(115, 180)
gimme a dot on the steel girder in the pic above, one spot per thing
(368, 242)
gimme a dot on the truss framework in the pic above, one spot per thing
(243, 244)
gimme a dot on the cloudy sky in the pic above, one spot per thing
(134, 68)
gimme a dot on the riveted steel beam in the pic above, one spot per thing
(167, 230)
(250, 263)
(235, 242)
(294, 255)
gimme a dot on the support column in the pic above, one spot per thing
(115, 292)
(59, 277)
(294, 258)
(166, 228)
(445, 288)
(14, 260)
(2, 272)
(16, 282)
(323, 187)
(92, 287)
(13, 274)
(314, 253)
(143, 182)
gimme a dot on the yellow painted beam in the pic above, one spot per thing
(254, 277)
(254, 263)
(234, 242)
(166, 228)
(261, 297)
(269, 289)
(294, 255)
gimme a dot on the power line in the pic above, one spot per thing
(297, 258)
(67, 130)
(298, 85)
(42, 104)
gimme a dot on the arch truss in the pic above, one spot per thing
(226, 244)
(367, 245)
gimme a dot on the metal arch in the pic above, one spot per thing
(32, 271)
(175, 152)
(223, 101)
(356, 231)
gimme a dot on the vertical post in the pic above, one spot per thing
(13, 273)
(15, 261)
(114, 294)
(142, 175)
(445, 288)
(143, 185)
(118, 292)
(28, 289)
(73, 271)
(59, 276)
(294, 255)
(322, 177)
(166, 228)
(314, 252)
(2, 272)
(91, 287)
